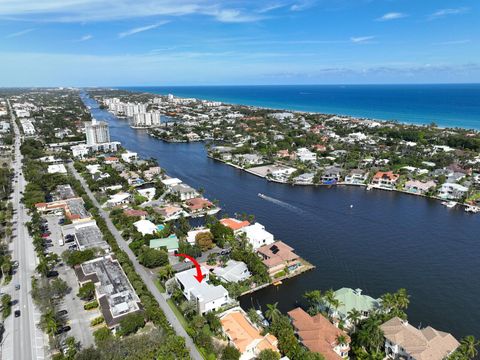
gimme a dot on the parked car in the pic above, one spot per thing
(17, 287)
(62, 313)
(69, 240)
(45, 235)
(52, 273)
(15, 264)
(72, 247)
(63, 329)
(17, 313)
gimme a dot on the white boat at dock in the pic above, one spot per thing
(472, 209)
(449, 204)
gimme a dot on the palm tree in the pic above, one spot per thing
(469, 346)
(402, 299)
(387, 302)
(330, 297)
(272, 313)
(49, 323)
(354, 317)
(341, 340)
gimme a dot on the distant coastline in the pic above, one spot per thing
(447, 105)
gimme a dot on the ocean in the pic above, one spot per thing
(447, 105)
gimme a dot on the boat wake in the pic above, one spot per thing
(281, 203)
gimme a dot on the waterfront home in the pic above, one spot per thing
(192, 235)
(257, 236)
(147, 190)
(234, 224)
(356, 177)
(170, 244)
(305, 155)
(184, 192)
(206, 296)
(385, 180)
(233, 271)
(419, 187)
(452, 191)
(248, 159)
(350, 299)
(152, 172)
(145, 227)
(319, 335)
(198, 205)
(170, 182)
(109, 160)
(331, 175)
(281, 173)
(118, 199)
(278, 256)
(244, 335)
(170, 212)
(304, 179)
(403, 340)
(129, 156)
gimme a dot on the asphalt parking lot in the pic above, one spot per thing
(78, 318)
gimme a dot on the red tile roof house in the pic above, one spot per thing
(319, 335)
(196, 205)
(385, 180)
(135, 213)
(234, 224)
(277, 256)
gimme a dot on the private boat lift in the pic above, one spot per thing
(472, 209)
(449, 204)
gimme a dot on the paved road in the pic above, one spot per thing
(23, 339)
(147, 277)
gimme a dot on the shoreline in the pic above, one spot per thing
(315, 112)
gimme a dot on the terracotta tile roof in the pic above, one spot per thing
(277, 253)
(244, 336)
(317, 333)
(198, 203)
(422, 344)
(234, 224)
(386, 175)
(133, 212)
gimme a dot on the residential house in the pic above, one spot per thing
(305, 155)
(198, 205)
(234, 224)
(385, 180)
(419, 187)
(184, 192)
(304, 179)
(319, 335)
(129, 156)
(135, 213)
(145, 227)
(277, 256)
(170, 212)
(170, 244)
(244, 335)
(331, 175)
(248, 159)
(404, 341)
(257, 235)
(452, 191)
(118, 199)
(350, 299)
(233, 271)
(356, 177)
(192, 234)
(207, 297)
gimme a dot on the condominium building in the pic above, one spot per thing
(97, 132)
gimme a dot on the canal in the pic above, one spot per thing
(384, 242)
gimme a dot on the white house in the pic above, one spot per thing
(305, 155)
(207, 297)
(452, 191)
(234, 271)
(257, 235)
(149, 193)
(57, 169)
(192, 234)
(129, 156)
(118, 199)
(145, 227)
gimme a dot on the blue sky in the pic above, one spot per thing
(190, 42)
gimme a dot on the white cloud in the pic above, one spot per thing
(19, 33)
(86, 37)
(141, 29)
(454, 42)
(107, 10)
(362, 39)
(446, 12)
(391, 16)
(302, 5)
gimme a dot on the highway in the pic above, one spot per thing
(23, 340)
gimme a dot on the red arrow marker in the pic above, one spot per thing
(199, 275)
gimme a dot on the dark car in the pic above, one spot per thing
(73, 247)
(52, 273)
(69, 240)
(17, 313)
(63, 329)
(62, 313)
